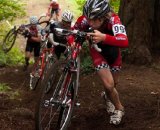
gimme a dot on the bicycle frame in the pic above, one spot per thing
(41, 60)
(55, 108)
(40, 65)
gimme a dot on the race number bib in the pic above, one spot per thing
(118, 29)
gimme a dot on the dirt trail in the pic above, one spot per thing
(17, 108)
(136, 84)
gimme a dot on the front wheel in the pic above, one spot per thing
(9, 40)
(54, 108)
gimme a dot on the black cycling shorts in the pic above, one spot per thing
(33, 46)
(54, 10)
(59, 50)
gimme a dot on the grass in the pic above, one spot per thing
(14, 57)
(4, 87)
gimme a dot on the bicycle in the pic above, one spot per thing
(45, 61)
(46, 58)
(10, 38)
(54, 109)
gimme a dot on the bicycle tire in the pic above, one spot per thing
(43, 106)
(9, 40)
(74, 84)
(41, 102)
(48, 71)
(35, 75)
(35, 79)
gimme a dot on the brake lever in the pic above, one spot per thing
(95, 46)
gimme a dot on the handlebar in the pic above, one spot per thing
(50, 38)
(69, 32)
(79, 34)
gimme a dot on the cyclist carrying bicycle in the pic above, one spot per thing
(110, 35)
(33, 35)
(53, 8)
(67, 18)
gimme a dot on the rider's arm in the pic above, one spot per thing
(81, 24)
(119, 40)
(119, 37)
(49, 8)
(38, 37)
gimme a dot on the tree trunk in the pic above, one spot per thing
(142, 21)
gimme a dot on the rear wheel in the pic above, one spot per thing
(55, 107)
(9, 40)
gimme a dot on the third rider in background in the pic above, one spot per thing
(54, 9)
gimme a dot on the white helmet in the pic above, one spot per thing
(33, 20)
(67, 16)
(54, 1)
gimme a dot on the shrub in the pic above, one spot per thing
(11, 9)
(14, 57)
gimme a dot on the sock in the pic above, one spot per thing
(27, 61)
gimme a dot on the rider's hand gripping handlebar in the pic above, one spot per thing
(50, 38)
(95, 46)
(79, 33)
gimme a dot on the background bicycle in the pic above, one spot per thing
(46, 58)
(44, 62)
(10, 38)
(42, 66)
(54, 109)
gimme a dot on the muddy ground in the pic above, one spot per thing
(17, 107)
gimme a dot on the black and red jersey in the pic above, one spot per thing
(54, 5)
(115, 37)
(113, 28)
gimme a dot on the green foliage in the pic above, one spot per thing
(87, 65)
(11, 9)
(86, 61)
(3, 29)
(8, 91)
(115, 5)
(80, 4)
(14, 57)
(15, 95)
(73, 6)
(4, 87)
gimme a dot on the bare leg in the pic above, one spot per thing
(108, 81)
(115, 77)
(57, 16)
